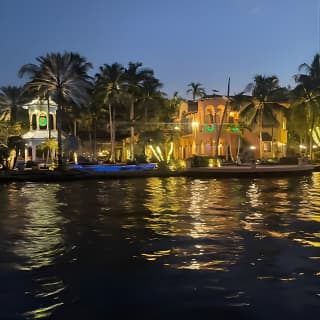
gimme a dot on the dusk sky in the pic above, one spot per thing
(202, 41)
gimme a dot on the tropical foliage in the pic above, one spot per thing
(110, 85)
(62, 77)
(305, 110)
(196, 90)
(11, 100)
(266, 97)
(127, 103)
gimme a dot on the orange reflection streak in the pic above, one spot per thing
(192, 209)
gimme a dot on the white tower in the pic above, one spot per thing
(42, 119)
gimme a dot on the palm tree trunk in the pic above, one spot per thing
(310, 137)
(146, 114)
(75, 127)
(132, 131)
(95, 137)
(90, 138)
(13, 115)
(238, 148)
(222, 120)
(49, 124)
(111, 133)
(272, 144)
(59, 127)
(260, 131)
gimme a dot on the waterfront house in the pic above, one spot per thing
(199, 122)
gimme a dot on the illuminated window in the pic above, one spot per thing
(267, 146)
(284, 124)
(43, 121)
(231, 117)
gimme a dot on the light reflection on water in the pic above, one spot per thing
(241, 234)
(42, 240)
(35, 237)
(193, 211)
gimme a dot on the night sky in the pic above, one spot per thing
(202, 41)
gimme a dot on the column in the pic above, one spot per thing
(26, 154)
(33, 153)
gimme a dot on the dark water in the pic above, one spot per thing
(154, 248)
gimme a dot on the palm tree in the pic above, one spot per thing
(306, 97)
(150, 94)
(111, 83)
(95, 114)
(64, 78)
(236, 103)
(11, 99)
(196, 90)
(135, 76)
(174, 104)
(266, 96)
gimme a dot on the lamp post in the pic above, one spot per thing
(195, 128)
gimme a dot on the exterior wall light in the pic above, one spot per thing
(195, 124)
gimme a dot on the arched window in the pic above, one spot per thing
(231, 117)
(34, 122)
(209, 118)
(186, 123)
(43, 121)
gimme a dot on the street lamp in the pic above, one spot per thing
(195, 126)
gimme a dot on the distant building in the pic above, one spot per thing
(199, 123)
(42, 126)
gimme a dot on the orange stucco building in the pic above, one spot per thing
(199, 123)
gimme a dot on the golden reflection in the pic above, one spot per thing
(206, 216)
(155, 255)
(49, 290)
(35, 236)
(39, 239)
(198, 265)
(275, 234)
(288, 279)
(193, 209)
(309, 208)
(309, 243)
(164, 193)
(269, 207)
(42, 313)
(254, 195)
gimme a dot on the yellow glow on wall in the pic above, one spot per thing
(155, 153)
(170, 152)
(160, 153)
